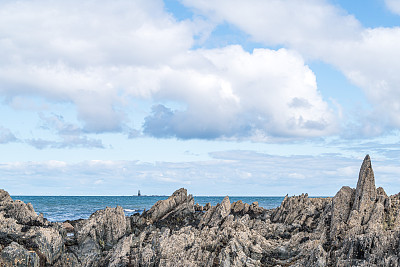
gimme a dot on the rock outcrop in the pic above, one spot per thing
(357, 227)
(179, 201)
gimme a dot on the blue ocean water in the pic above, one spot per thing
(62, 208)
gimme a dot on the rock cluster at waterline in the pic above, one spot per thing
(357, 227)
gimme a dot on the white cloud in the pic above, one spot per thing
(293, 22)
(393, 5)
(319, 30)
(371, 64)
(58, 50)
(90, 33)
(229, 92)
(98, 56)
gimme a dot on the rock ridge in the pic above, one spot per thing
(357, 227)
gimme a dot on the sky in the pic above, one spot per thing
(227, 97)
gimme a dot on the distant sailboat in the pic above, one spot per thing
(138, 193)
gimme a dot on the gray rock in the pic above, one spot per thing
(255, 210)
(365, 191)
(240, 208)
(4, 197)
(104, 227)
(214, 216)
(179, 200)
(198, 207)
(358, 227)
(342, 204)
(16, 255)
(18, 210)
(49, 242)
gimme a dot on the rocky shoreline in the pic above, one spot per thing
(357, 227)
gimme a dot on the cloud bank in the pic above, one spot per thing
(322, 31)
(101, 57)
(226, 173)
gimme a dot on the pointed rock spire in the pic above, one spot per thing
(366, 190)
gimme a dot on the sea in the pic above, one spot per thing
(62, 208)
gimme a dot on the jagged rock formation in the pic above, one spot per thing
(357, 227)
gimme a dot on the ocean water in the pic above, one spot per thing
(62, 208)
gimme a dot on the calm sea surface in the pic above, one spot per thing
(61, 208)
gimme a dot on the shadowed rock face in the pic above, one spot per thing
(357, 227)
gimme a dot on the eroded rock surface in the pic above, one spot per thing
(357, 227)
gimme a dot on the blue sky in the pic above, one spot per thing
(220, 97)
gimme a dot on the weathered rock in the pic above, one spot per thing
(365, 193)
(18, 210)
(49, 242)
(4, 197)
(178, 201)
(104, 227)
(240, 208)
(68, 259)
(358, 227)
(215, 215)
(68, 227)
(16, 255)
(300, 211)
(198, 207)
(255, 210)
(341, 205)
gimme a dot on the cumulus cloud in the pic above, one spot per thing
(101, 56)
(60, 51)
(231, 93)
(319, 30)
